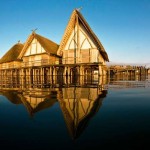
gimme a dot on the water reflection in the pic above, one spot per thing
(78, 106)
(79, 101)
(12, 96)
(34, 100)
(37, 100)
(128, 81)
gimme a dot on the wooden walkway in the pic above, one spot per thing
(128, 70)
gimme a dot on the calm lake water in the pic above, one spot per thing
(101, 114)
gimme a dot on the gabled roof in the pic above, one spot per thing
(49, 46)
(71, 24)
(12, 54)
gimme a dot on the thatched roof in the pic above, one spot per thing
(12, 54)
(77, 17)
(49, 46)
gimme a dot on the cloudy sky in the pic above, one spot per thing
(123, 26)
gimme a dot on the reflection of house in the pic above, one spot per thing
(79, 105)
(34, 101)
(80, 53)
(12, 96)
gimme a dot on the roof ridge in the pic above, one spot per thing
(48, 45)
(45, 38)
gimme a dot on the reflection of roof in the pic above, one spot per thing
(49, 46)
(18, 98)
(46, 103)
(12, 96)
(12, 54)
(71, 24)
(75, 124)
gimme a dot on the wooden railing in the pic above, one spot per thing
(29, 63)
(39, 63)
(10, 66)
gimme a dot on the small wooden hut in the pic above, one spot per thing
(10, 64)
(40, 59)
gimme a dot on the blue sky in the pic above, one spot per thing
(123, 26)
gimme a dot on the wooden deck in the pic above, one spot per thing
(128, 70)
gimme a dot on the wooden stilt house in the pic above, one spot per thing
(82, 52)
(79, 53)
(40, 59)
(10, 65)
